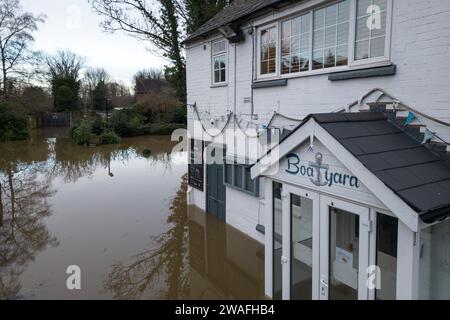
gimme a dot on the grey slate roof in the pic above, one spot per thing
(417, 175)
(238, 9)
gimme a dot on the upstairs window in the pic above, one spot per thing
(219, 62)
(371, 18)
(343, 33)
(295, 48)
(331, 31)
(268, 50)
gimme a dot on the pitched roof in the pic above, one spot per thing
(417, 175)
(237, 10)
(413, 172)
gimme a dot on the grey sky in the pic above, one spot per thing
(71, 24)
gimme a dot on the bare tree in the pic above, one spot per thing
(63, 73)
(16, 28)
(94, 76)
(161, 22)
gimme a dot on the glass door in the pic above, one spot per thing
(344, 250)
(300, 258)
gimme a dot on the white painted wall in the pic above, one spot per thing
(244, 213)
(420, 49)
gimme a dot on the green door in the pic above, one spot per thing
(215, 191)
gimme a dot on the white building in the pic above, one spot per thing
(359, 188)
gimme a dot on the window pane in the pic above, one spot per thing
(286, 47)
(304, 61)
(381, 3)
(362, 32)
(330, 58)
(344, 255)
(434, 268)
(377, 47)
(331, 15)
(318, 59)
(238, 176)
(249, 183)
(264, 67)
(342, 34)
(319, 16)
(362, 50)
(219, 47)
(363, 6)
(222, 75)
(217, 76)
(342, 55)
(286, 65)
(229, 173)
(377, 32)
(344, 11)
(387, 241)
(302, 246)
(318, 39)
(330, 37)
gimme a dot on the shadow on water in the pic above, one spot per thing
(119, 212)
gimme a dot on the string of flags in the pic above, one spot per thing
(428, 135)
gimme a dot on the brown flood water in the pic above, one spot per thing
(121, 217)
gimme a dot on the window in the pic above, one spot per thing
(268, 48)
(370, 29)
(239, 177)
(343, 33)
(331, 31)
(295, 45)
(196, 164)
(434, 268)
(219, 57)
(387, 242)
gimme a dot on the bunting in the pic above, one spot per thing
(428, 136)
(411, 117)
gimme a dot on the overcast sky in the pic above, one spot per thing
(72, 24)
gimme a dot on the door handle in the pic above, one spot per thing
(323, 283)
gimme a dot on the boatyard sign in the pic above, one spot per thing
(320, 174)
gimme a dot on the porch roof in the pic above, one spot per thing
(413, 172)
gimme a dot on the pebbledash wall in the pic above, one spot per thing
(420, 48)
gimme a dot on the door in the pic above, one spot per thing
(300, 259)
(344, 250)
(215, 191)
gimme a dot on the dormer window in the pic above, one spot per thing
(219, 62)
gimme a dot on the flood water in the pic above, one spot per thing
(120, 214)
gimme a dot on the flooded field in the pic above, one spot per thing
(119, 213)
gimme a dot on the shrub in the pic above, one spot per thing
(81, 134)
(179, 115)
(109, 138)
(13, 122)
(97, 126)
(161, 129)
(126, 123)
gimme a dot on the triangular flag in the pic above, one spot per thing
(411, 117)
(428, 136)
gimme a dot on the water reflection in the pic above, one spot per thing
(120, 213)
(199, 257)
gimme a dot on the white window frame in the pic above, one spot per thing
(352, 63)
(278, 51)
(217, 55)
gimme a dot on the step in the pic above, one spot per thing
(393, 107)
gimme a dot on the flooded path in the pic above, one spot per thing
(119, 213)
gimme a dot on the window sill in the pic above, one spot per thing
(219, 85)
(270, 83)
(321, 72)
(389, 70)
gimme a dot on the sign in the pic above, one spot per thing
(320, 174)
